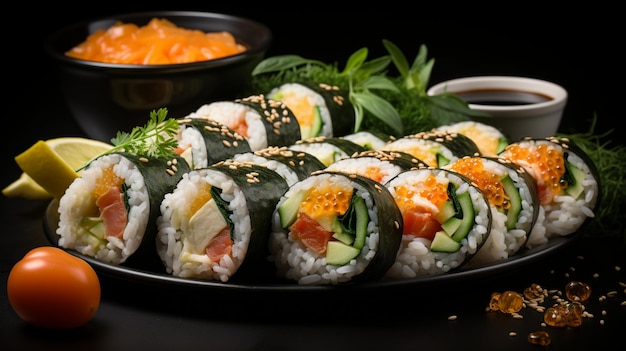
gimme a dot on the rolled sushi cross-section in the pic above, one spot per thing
(335, 228)
(203, 141)
(512, 196)
(321, 109)
(567, 180)
(263, 122)
(378, 165)
(218, 218)
(447, 219)
(435, 148)
(489, 139)
(291, 165)
(371, 140)
(327, 150)
(110, 211)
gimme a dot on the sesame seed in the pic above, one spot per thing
(452, 317)
(143, 159)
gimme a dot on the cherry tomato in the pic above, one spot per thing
(54, 289)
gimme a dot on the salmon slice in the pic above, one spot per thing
(113, 212)
(311, 233)
(221, 245)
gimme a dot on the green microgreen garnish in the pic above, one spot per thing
(154, 139)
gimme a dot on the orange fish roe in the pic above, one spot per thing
(544, 161)
(201, 198)
(158, 42)
(106, 181)
(430, 189)
(489, 183)
(328, 200)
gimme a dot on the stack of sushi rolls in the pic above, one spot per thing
(216, 219)
(436, 148)
(489, 139)
(321, 109)
(446, 217)
(263, 122)
(378, 165)
(512, 195)
(335, 228)
(327, 149)
(203, 141)
(291, 165)
(567, 180)
(109, 212)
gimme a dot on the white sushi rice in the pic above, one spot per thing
(195, 151)
(287, 173)
(184, 255)
(325, 152)
(295, 261)
(233, 114)
(415, 257)
(366, 139)
(485, 136)
(300, 91)
(78, 202)
(368, 167)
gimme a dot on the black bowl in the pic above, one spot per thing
(105, 98)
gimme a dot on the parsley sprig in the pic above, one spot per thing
(154, 139)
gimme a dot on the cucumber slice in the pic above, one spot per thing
(444, 243)
(288, 210)
(362, 218)
(451, 225)
(464, 201)
(316, 127)
(515, 200)
(445, 212)
(338, 253)
(442, 160)
(576, 176)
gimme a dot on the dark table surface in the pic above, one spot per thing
(136, 314)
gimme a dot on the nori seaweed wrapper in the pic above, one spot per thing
(460, 145)
(281, 125)
(398, 158)
(262, 189)
(160, 175)
(221, 141)
(339, 106)
(300, 162)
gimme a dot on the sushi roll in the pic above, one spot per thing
(369, 139)
(110, 211)
(335, 228)
(447, 219)
(327, 150)
(263, 122)
(203, 141)
(489, 139)
(512, 196)
(291, 165)
(436, 148)
(567, 180)
(216, 219)
(321, 109)
(378, 165)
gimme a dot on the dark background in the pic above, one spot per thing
(574, 47)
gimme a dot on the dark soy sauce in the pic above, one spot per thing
(502, 97)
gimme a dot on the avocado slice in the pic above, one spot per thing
(338, 253)
(288, 210)
(444, 243)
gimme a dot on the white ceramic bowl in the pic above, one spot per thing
(519, 106)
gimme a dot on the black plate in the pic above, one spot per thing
(155, 274)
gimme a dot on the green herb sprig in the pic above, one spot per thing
(154, 139)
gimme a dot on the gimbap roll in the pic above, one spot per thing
(436, 148)
(447, 219)
(567, 181)
(110, 211)
(263, 122)
(335, 228)
(512, 196)
(369, 139)
(291, 165)
(327, 150)
(489, 139)
(203, 141)
(218, 218)
(321, 109)
(378, 165)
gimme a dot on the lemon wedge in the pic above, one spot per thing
(50, 166)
